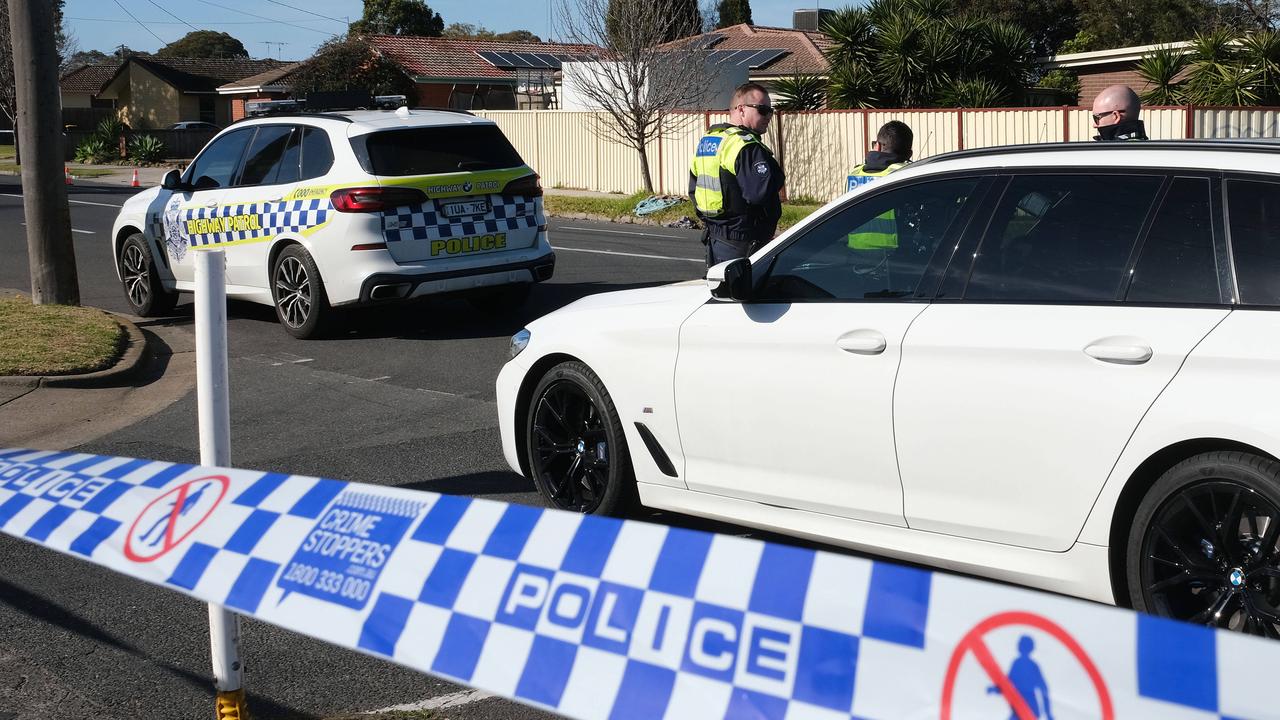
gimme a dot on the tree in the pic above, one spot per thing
(204, 44)
(685, 20)
(8, 93)
(1050, 22)
(398, 17)
(479, 32)
(799, 92)
(83, 58)
(1144, 22)
(921, 53)
(350, 63)
(637, 84)
(733, 12)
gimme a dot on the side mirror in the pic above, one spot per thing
(730, 280)
(172, 180)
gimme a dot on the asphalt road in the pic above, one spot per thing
(401, 396)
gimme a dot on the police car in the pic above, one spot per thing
(329, 209)
(1060, 368)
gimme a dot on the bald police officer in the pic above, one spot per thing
(735, 181)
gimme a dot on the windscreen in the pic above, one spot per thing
(435, 150)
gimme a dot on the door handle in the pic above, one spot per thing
(1119, 354)
(862, 342)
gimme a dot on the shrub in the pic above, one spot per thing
(93, 150)
(146, 149)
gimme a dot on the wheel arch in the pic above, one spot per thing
(1136, 487)
(525, 395)
(117, 243)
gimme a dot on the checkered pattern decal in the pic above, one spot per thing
(600, 618)
(250, 221)
(427, 222)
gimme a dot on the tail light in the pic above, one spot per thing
(374, 199)
(527, 186)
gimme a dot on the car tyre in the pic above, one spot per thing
(301, 304)
(577, 451)
(502, 300)
(1203, 546)
(143, 289)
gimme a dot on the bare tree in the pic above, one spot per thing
(641, 78)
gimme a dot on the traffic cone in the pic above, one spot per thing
(135, 182)
(67, 172)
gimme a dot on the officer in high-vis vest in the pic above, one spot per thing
(891, 151)
(735, 182)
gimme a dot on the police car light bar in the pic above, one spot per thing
(267, 107)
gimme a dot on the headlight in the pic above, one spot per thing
(518, 342)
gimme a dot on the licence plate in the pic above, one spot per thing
(468, 207)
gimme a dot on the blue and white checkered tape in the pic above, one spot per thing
(206, 227)
(599, 618)
(426, 222)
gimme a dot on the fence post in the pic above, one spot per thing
(1066, 124)
(213, 406)
(1190, 131)
(959, 128)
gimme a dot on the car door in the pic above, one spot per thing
(186, 215)
(787, 399)
(270, 170)
(1022, 382)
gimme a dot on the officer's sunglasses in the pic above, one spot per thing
(762, 109)
(1097, 117)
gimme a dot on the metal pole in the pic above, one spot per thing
(214, 410)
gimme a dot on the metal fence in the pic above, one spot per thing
(818, 149)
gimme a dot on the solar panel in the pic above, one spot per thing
(545, 60)
(513, 60)
(764, 57)
(750, 58)
(491, 57)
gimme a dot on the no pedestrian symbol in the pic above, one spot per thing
(1025, 687)
(171, 518)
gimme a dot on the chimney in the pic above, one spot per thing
(810, 19)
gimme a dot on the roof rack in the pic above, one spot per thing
(1264, 145)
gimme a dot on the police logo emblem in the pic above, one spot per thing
(173, 239)
(762, 168)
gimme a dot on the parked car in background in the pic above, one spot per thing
(193, 125)
(1056, 365)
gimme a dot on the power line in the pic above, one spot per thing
(326, 17)
(144, 27)
(242, 12)
(175, 17)
(166, 22)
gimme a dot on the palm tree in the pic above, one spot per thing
(1261, 51)
(1160, 69)
(800, 92)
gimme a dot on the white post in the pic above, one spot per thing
(213, 398)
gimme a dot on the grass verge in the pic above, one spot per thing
(55, 339)
(15, 169)
(613, 207)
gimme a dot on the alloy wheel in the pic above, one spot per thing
(137, 276)
(571, 447)
(1210, 557)
(293, 292)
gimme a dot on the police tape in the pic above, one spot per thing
(600, 618)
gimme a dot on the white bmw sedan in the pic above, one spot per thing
(1053, 365)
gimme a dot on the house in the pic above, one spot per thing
(480, 74)
(152, 92)
(1101, 68)
(270, 85)
(770, 53)
(82, 87)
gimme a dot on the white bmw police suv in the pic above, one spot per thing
(321, 210)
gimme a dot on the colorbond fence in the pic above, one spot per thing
(818, 149)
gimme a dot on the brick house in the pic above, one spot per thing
(778, 52)
(1100, 68)
(479, 74)
(270, 85)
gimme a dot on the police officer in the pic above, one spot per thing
(891, 151)
(734, 180)
(1115, 115)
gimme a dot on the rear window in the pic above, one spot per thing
(435, 150)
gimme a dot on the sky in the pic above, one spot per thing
(292, 29)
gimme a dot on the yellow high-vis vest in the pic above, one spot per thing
(717, 150)
(881, 232)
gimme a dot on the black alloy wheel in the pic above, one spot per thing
(577, 453)
(1208, 548)
(143, 290)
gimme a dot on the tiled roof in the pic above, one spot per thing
(89, 79)
(275, 76)
(804, 47)
(434, 57)
(204, 74)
